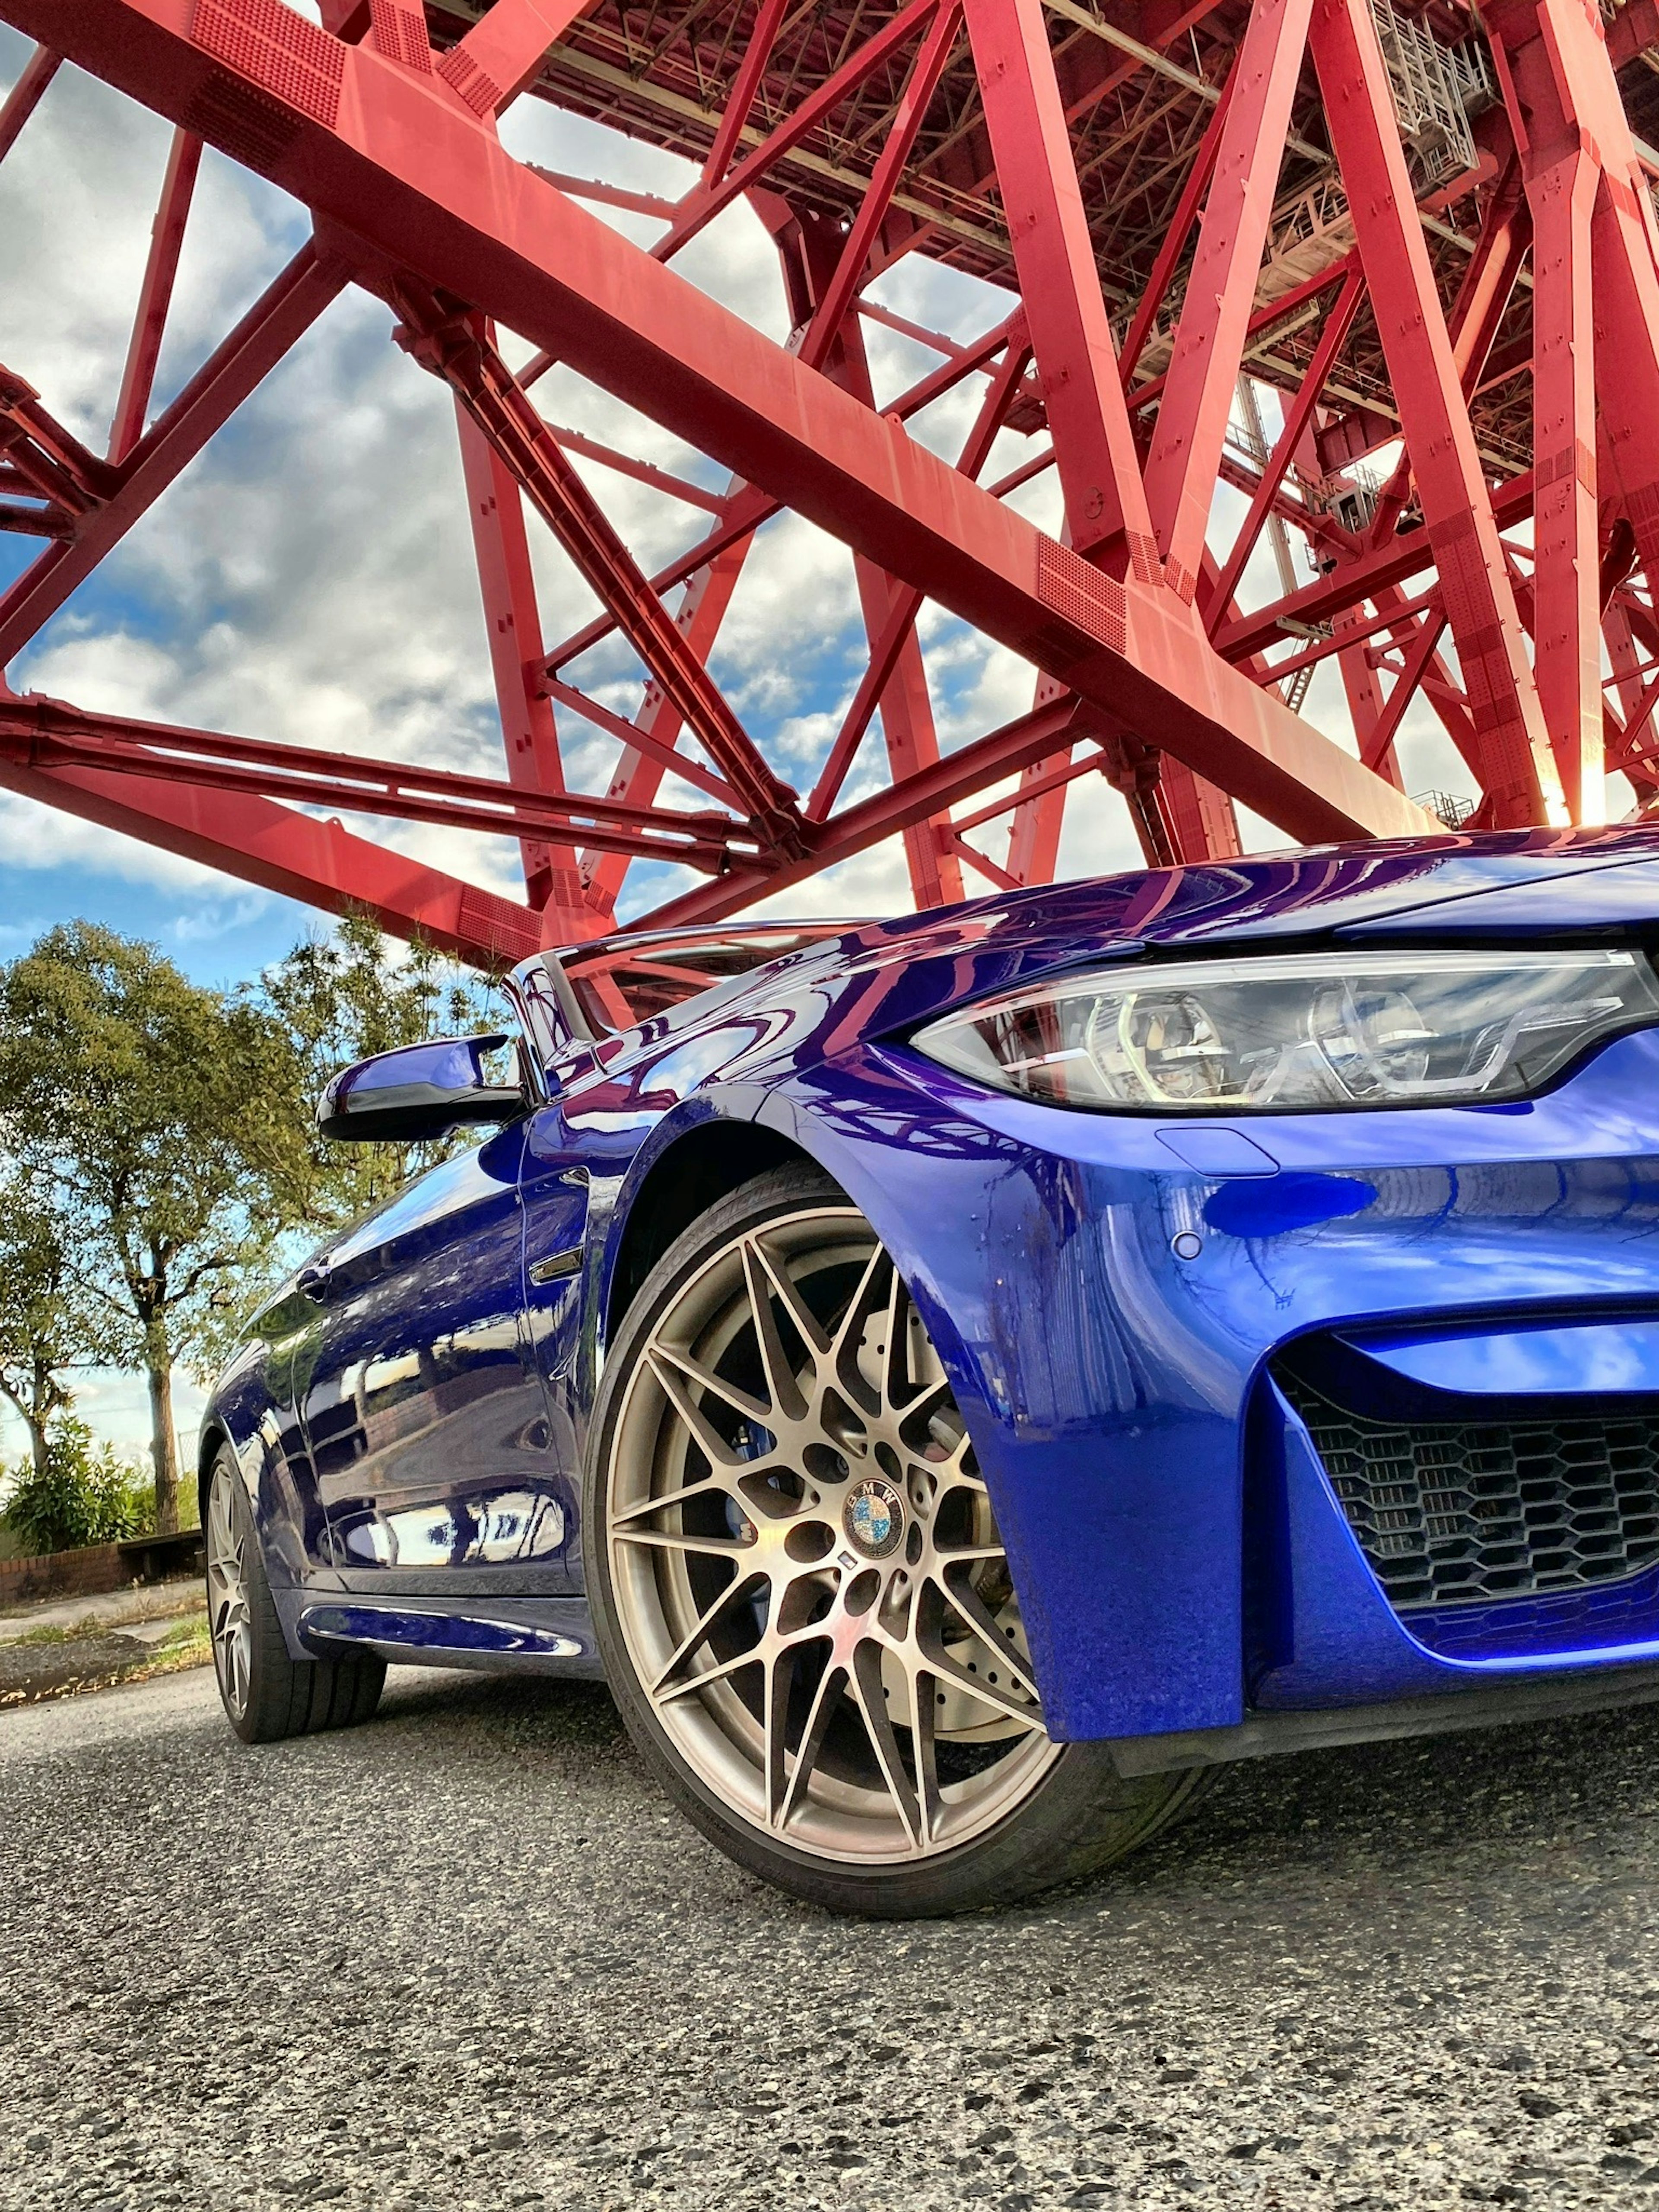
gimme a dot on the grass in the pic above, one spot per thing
(78, 1632)
(190, 1636)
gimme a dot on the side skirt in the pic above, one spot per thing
(504, 1636)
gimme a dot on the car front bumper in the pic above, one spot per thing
(1109, 1294)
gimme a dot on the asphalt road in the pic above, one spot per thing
(464, 1957)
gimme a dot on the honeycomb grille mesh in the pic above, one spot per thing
(1461, 1513)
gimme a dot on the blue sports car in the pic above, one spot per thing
(960, 1378)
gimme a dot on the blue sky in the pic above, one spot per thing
(309, 578)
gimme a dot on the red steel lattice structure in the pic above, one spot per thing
(1434, 238)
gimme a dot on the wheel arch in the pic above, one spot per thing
(214, 1436)
(699, 1168)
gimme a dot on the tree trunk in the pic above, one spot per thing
(33, 1421)
(164, 1443)
(47, 1400)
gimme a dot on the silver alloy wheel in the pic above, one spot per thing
(805, 1564)
(228, 1619)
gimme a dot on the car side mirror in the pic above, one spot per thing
(418, 1091)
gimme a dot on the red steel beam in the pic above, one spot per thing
(1297, 416)
(705, 201)
(886, 646)
(500, 55)
(1099, 470)
(959, 776)
(748, 507)
(1565, 100)
(741, 99)
(1039, 803)
(21, 102)
(1562, 177)
(1477, 314)
(1489, 282)
(1351, 583)
(48, 733)
(1035, 782)
(513, 625)
(919, 87)
(155, 294)
(486, 388)
(1518, 768)
(645, 472)
(320, 863)
(888, 607)
(1265, 318)
(993, 872)
(639, 738)
(1203, 371)
(1174, 239)
(1420, 649)
(650, 754)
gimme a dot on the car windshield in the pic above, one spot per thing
(625, 981)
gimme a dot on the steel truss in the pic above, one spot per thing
(1433, 240)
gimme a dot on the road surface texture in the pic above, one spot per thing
(464, 1957)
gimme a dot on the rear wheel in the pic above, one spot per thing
(267, 1694)
(800, 1592)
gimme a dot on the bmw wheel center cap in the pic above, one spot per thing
(874, 1517)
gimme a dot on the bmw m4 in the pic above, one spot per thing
(961, 1379)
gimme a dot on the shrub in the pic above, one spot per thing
(86, 1494)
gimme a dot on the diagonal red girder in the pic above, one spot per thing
(1203, 373)
(512, 622)
(276, 323)
(506, 417)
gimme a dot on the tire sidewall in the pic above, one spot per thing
(256, 1591)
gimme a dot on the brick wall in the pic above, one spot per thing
(86, 1573)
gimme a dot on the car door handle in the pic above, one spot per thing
(314, 1278)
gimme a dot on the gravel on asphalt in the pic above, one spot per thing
(465, 1957)
(58, 1663)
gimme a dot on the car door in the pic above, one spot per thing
(424, 1411)
(578, 1150)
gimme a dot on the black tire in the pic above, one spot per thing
(1079, 1816)
(281, 1696)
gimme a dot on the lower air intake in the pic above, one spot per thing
(1461, 1513)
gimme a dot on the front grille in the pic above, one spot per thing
(1459, 1513)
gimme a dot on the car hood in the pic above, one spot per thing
(880, 980)
(1531, 880)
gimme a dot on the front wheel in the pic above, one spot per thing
(800, 1593)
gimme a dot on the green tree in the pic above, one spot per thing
(338, 998)
(160, 1116)
(50, 1322)
(80, 1494)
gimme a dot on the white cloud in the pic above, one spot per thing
(115, 1407)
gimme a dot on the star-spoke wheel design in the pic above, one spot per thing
(807, 1569)
(229, 1618)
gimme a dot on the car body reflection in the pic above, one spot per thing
(498, 1530)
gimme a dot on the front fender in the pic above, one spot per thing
(1114, 1470)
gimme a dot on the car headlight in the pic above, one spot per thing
(1298, 1031)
